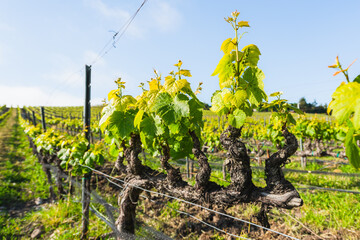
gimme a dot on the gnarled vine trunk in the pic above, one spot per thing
(203, 176)
(237, 161)
(278, 193)
(128, 201)
(173, 174)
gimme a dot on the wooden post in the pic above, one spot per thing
(43, 119)
(86, 178)
(34, 118)
(187, 168)
(224, 171)
(303, 160)
(191, 168)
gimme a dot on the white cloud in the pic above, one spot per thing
(35, 96)
(165, 16)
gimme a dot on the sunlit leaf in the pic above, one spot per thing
(138, 118)
(252, 52)
(113, 94)
(178, 64)
(243, 24)
(351, 148)
(154, 85)
(346, 103)
(217, 104)
(357, 79)
(228, 45)
(237, 118)
(275, 94)
(185, 73)
(163, 106)
(254, 77)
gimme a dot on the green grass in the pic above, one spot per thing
(21, 181)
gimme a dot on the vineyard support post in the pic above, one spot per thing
(34, 118)
(187, 168)
(303, 161)
(224, 171)
(191, 168)
(86, 178)
(43, 119)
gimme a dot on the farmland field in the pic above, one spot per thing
(228, 154)
(325, 214)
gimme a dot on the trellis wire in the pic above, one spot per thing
(194, 204)
(188, 214)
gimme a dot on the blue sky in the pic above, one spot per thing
(44, 45)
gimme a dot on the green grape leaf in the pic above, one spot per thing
(174, 128)
(159, 126)
(228, 97)
(243, 24)
(196, 112)
(351, 148)
(218, 105)
(240, 97)
(185, 73)
(252, 54)
(153, 85)
(254, 77)
(163, 106)
(346, 103)
(126, 102)
(106, 113)
(181, 106)
(228, 45)
(138, 118)
(296, 110)
(121, 123)
(275, 94)
(234, 100)
(173, 86)
(148, 127)
(225, 70)
(181, 148)
(237, 118)
(290, 119)
(357, 79)
(114, 150)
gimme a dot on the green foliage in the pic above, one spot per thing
(240, 80)
(75, 152)
(345, 107)
(162, 116)
(352, 149)
(167, 113)
(281, 116)
(345, 103)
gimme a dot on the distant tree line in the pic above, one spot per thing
(303, 105)
(311, 107)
